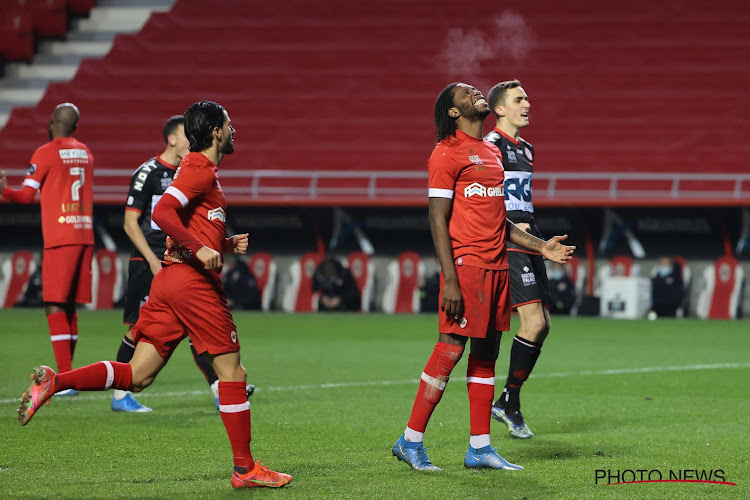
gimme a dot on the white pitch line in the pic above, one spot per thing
(381, 383)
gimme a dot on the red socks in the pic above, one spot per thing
(480, 381)
(97, 377)
(59, 333)
(434, 378)
(235, 413)
(73, 324)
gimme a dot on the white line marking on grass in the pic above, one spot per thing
(381, 383)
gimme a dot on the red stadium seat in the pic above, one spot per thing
(363, 271)
(107, 280)
(16, 273)
(263, 267)
(401, 294)
(722, 291)
(16, 33)
(81, 7)
(50, 17)
(298, 295)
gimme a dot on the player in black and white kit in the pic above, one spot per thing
(147, 186)
(528, 276)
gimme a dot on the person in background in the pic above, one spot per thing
(63, 171)
(338, 290)
(667, 288)
(562, 290)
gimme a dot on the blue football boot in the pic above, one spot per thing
(414, 454)
(487, 458)
(129, 404)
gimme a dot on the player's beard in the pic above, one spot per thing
(228, 148)
(472, 113)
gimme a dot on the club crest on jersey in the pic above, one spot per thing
(476, 160)
(217, 213)
(476, 189)
(527, 151)
(32, 169)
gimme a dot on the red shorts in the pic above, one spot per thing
(486, 295)
(183, 301)
(66, 274)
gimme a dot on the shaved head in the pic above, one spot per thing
(64, 120)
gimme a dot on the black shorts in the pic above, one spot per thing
(136, 293)
(528, 279)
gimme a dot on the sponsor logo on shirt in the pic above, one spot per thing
(217, 213)
(511, 157)
(32, 169)
(69, 155)
(527, 277)
(476, 189)
(476, 160)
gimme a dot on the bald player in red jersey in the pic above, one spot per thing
(469, 229)
(63, 169)
(186, 298)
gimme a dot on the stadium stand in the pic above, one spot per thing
(14, 277)
(332, 101)
(16, 33)
(722, 291)
(363, 270)
(401, 294)
(264, 268)
(298, 295)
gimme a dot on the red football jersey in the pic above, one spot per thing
(196, 186)
(470, 171)
(63, 169)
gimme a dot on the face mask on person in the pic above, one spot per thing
(664, 271)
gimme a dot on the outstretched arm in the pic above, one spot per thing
(23, 196)
(551, 249)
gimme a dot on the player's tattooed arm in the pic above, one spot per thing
(552, 249)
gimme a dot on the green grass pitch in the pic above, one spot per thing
(335, 391)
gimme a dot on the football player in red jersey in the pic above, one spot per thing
(63, 169)
(186, 299)
(469, 230)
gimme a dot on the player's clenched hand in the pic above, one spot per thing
(3, 180)
(555, 251)
(453, 302)
(210, 258)
(239, 243)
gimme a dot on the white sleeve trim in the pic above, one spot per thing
(441, 193)
(31, 183)
(177, 194)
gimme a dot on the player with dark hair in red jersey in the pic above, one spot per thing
(469, 229)
(63, 169)
(186, 299)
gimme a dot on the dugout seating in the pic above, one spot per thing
(367, 53)
(263, 267)
(15, 274)
(298, 295)
(106, 279)
(401, 294)
(363, 271)
(722, 291)
(621, 265)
